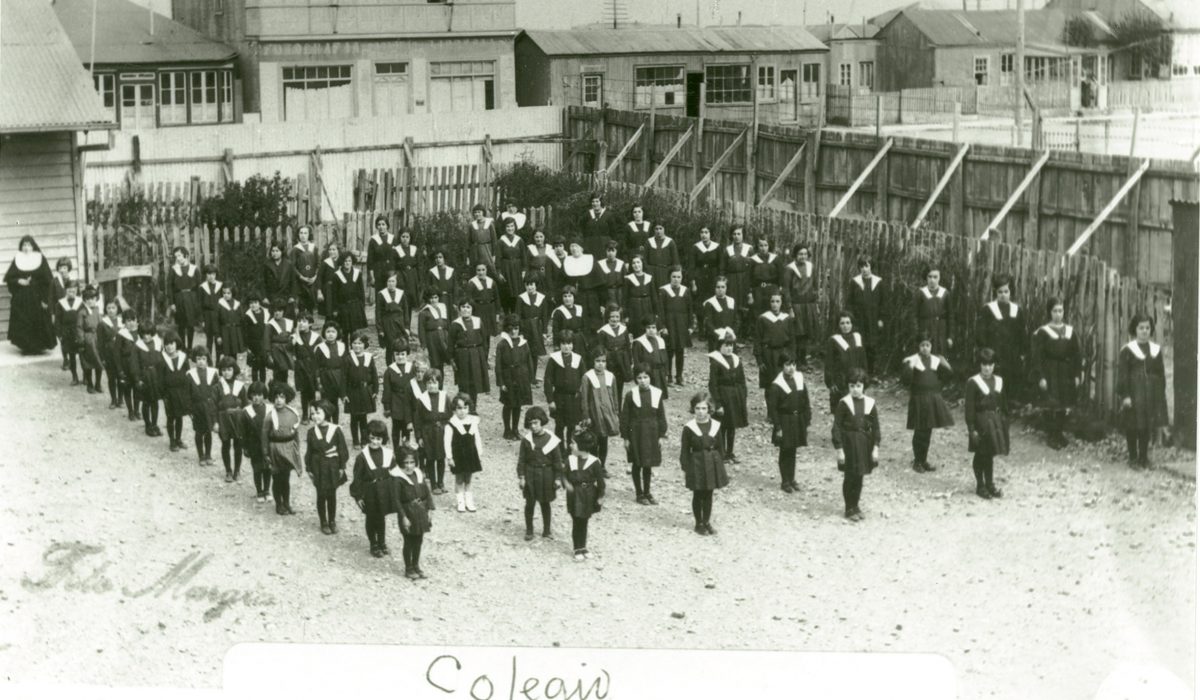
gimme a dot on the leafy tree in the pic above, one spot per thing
(1147, 41)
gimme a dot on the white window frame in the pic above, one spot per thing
(804, 84)
(386, 73)
(171, 82)
(591, 80)
(768, 90)
(659, 97)
(204, 83)
(457, 74)
(845, 75)
(1006, 76)
(866, 74)
(715, 91)
(348, 79)
(987, 69)
(106, 87)
(225, 97)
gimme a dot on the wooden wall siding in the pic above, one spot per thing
(1071, 189)
(37, 197)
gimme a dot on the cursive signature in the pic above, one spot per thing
(80, 567)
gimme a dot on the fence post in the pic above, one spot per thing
(1078, 135)
(485, 174)
(878, 114)
(227, 165)
(751, 195)
(957, 116)
(601, 161)
(648, 142)
(1137, 118)
(408, 157)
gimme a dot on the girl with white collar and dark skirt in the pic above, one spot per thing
(469, 348)
(932, 304)
(463, 445)
(371, 487)
(515, 366)
(1001, 327)
(1142, 390)
(281, 445)
(1057, 366)
(790, 412)
(924, 373)
(844, 353)
(800, 289)
(704, 266)
(856, 438)
(987, 422)
(329, 359)
(362, 387)
(433, 331)
(727, 388)
(583, 480)
(325, 458)
(539, 466)
(643, 429)
(182, 280)
(701, 460)
(413, 503)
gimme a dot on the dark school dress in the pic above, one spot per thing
(304, 348)
(176, 387)
(660, 257)
(598, 229)
(279, 339)
(700, 456)
(146, 374)
(250, 430)
(641, 300)
(735, 266)
(330, 361)
(926, 407)
(393, 315)
(433, 410)
(537, 266)
(773, 340)
(279, 279)
(844, 352)
(765, 279)
(64, 323)
(856, 434)
(398, 400)
(485, 302)
(535, 314)
(615, 343)
(325, 456)
(304, 260)
(790, 411)
(675, 305)
(413, 499)
(933, 316)
(571, 319)
(643, 423)
(443, 281)
(635, 235)
(408, 273)
(349, 299)
(1056, 358)
(87, 328)
(469, 348)
(433, 331)
(800, 293)
(203, 398)
(601, 403)
(106, 346)
(652, 352)
(209, 295)
(586, 478)
(727, 386)
(510, 263)
(381, 258)
(481, 244)
(254, 333)
(229, 328)
(704, 267)
(325, 272)
(362, 383)
(463, 445)
(30, 284)
(612, 282)
(863, 298)
(514, 371)
(561, 382)
(720, 318)
(1001, 327)
(986, 415)
(372, 484)
(1141, 377)
(181, 293)
(555, 277)
(230, 400)
(539, 463)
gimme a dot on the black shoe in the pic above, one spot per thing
(699, 529)
(324, 529)
(918, 466)
(641, 500)
(547, 536)
(785, 487)
(375, 552)
(333, 528)
(709, 529)
(650, 500)
(278, 509)
(287, 510)
(983, 492)
(174, 446)
(384, 550)
(929, 467)
(795, 487)
(420, 574)
(529, 535)
(994, 492)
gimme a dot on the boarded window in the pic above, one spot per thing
(317, 93)
(462, 86)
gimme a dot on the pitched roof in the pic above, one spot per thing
(1043, 28)
(659, 40)
(123, 35)
(842, 31)
(44, 86)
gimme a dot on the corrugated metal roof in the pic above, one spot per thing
(825, 32)
(659, 40)
(43, 85)
(987, 27)
(123, 35)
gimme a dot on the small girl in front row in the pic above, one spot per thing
(250, 425)
(539, 465)
(856, 438)
(281, 445)
(433, 410)
(643, 428)
(231, 399)
(463, 444)
(927, 410)
(413, 502)
(700, 449)
(372, 488)
(176, 388)
(202, 380)
(362, 385)
(325, 460)
(987, 422)
(583, 479)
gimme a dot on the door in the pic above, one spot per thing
(137, 106)
(787, 95)
(693, 93)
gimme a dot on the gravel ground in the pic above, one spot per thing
(1082, 566)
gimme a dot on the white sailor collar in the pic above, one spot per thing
(781, 382)
(716, 302)
(672, 293)
(573, 463)
(742, 249)
(437, 272)
(230, 389)
(386, 454)
(536, 300)
(757, 257)
(635, 395)
(504, 336)
(994, 307)
(808, 268)
(714, 426)
(175, 363)
(486, 283)
(388, 298)
(476, 323)
(915, 362)
(983, 385)
(717, 357)
(72, 305)
(712, 245)
(482, 223)
(1137, 350)
(209, 375)
(868, 403)
(941, 292)
(323, 348)
(288, 325)
(845, 344)
(654, 243)
(155, 341)
(858, 279)
(378, 240)
(354, 273)
(774, 317)
(558, 359)
(607, 329)
(574, 312)
(645, 341)
(253, 316)
(466, 426)
(191, 269)
(236, 304)
(1067, 331)
(423, 397)
(643, 226)
(633, 277)
(365, 362)
(551, 444)
(618, 266)
(594, 379)
(214, 289)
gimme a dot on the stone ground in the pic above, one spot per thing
(1082, 567)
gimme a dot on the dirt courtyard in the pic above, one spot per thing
(126, 564)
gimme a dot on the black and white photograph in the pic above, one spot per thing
(595, 349)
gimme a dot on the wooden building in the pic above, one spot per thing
(40, 170)
(782, 68)
(852, 54)
(310, 61)
(151, 71)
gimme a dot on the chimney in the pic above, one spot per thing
(678, 20)
(739, 21)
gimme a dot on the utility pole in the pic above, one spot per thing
(1019, 73)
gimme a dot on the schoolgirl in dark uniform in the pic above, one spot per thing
(481, 240)
(250, 428)
(433, 410)
(601, 403)
(254, 333)
(556, 278)
(176, 389)
(230, 340)
(537, 261)
(611, 271)
(441, 280)
(209, 293)
(800, 289)
(924, 374)
(856, 438)
(87, 329)
(106, 342)
(987, 422)
(773, 341)
(182, 279)
(392, 303)
(675, 314)
(661, 256)
(637, 232)
(735, 267)
(720, 313)
(303, 258)
(641, 296)
(325, 277)
(643, 428)
(1001, 327)
(414, 503)
(727, 388)
(362, 386)
(349, 297)
(408, 273)
(463, 445)
(704, 266)
(325, 457)
(469, 346)
(765, 276)
(561, 381)
(933, 312)
(569, 316)
(280, 331)
(279, 280)
(599, 227)
(1057, 364)
(790, 413)
(125, 350)
(381, 256)
(700, 458)
(330, 357)
(371, 488)
(515, 367)
(510, 262)
(534, 312)
(844, 352)
(61, 279)
(539, 467)
(613, 340)
(483, 294)
(281, 443)
(65, 321)
(230, 399)
(650, 351)
(1142, 390)
(398, 402)
(433, 331)
(583, 479)
(147, 356)
(203, 401)
(304, 347)
(863, 299)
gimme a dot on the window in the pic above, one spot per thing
(391, 89)
(1036, 68)
(1007, 61)
(172, 98)
(727, 84)
(462, 86)
(226, 96)
(593, 90)
(1178, 69)
(106, 86)
(810, 83)
(665, 83)
(317, 92)
(981, 70)
(844, 74)
(137, 105)
(766, 83)
(204, 97)
(866, 75)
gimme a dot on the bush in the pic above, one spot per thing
(531, 185)
(242, 266)
(259, 201)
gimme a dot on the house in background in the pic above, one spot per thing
(40, 171)
(783, 68)
(852, 54)
(309, 61)
(1180, 21)
(152, 72)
